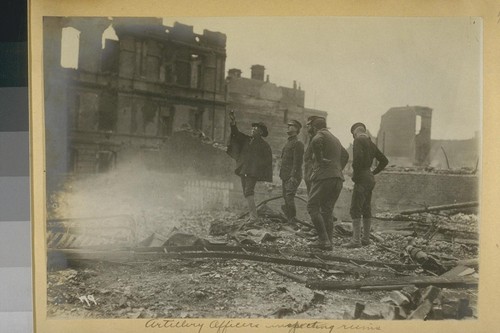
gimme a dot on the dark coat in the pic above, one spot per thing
(364, 152)
(253, 156)
(330, 157)
(291, 159)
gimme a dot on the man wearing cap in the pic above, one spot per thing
(291, 168)
(364, 151)
(254, 159)
(329, 159)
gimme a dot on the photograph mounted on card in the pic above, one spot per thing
(258, 171)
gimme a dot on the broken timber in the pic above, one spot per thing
(268, 250)
(352, 269)
(419, 281)
(442, 207)
(294, 277)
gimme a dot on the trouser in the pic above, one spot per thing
(248, 185)
(289, 191)
(322, 198)
(361, 200)
(361, 206)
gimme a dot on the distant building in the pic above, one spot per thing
(405, 138)
(405, 135)
(257, 100)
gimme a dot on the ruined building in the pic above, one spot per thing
(256, 99)
(405, 138)
(130, 97)
(405, 135)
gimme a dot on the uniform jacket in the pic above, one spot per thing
(364, 151)
(253, 156)
(292, 156)
(325, 146)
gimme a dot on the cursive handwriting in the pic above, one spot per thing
(227, 326)
(172, 323)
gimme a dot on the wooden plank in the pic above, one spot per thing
(284, 261)
(442, 207)
(294, 277)
(268, 250)
(419, 281)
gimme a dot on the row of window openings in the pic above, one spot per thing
(106, 121)
(183, 72)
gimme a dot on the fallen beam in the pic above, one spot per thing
(283, 261)
(378, 288)
(442, 207)
(419, 281)
(294, 277)
(267, 250)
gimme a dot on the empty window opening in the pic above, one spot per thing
(70, 47)
(109, 33)
(418, 125)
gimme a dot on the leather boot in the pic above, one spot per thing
(367, 223)
(323, 242)
(356, 233)
(252, 209)
(328, 226)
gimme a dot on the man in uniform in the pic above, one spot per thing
(254, 159)
(364, 151)
(291, 169)
(329, 159)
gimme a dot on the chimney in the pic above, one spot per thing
(234, 72)
(294, 85)
(258, 72)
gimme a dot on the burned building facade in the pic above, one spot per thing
(405, 135)
(129, 97)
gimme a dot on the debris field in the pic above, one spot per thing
(419, 265)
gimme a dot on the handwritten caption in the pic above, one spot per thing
(227, 326)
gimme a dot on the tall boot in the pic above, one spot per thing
(356, 233)
(251, 208)
(367, 223)
(327, 219)
(323, 240)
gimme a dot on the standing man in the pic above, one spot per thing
(329, 159)
(364, 151)
(292, 156)
(254, 159)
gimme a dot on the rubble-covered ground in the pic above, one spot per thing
(153, 287)
(211, 287)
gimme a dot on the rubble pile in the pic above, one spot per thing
(209, 264)
(431, 303)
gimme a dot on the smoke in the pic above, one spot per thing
(153, 199)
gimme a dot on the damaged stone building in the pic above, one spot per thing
(405, 137)
(131, 96)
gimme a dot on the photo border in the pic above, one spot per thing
(489, 11)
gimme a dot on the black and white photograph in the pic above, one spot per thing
(271, 167)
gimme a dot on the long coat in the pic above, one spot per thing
(253, 156)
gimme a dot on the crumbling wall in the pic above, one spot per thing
(460, 153)
(400, 140)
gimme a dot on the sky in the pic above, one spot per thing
(357, 68)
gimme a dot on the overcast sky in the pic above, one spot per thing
(356, 68)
